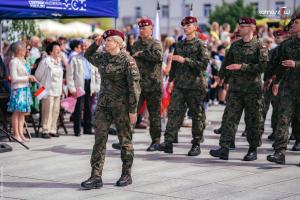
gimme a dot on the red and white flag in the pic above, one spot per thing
(41, 93)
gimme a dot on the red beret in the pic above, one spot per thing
(278, 33)
(188, 20)
(145, 22)
(246, 20)
(113, 32)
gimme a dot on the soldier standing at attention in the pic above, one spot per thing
(246, 61)
(147, 52)
(289, 91)
(117, 103)
(189, 62)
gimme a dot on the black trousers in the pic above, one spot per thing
(87, 113)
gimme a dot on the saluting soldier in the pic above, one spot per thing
(117, 103)
(189, 62)
(289, 92)
(246, 60)
(147, 52)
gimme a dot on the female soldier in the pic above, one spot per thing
(117, 103)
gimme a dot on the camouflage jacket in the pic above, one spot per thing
(149, 62)
(272, 64)
(289, 77)
(190, 74)
(119, 78)
(254, 59)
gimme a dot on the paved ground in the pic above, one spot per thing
(53, 169)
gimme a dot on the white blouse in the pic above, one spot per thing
(50, 74)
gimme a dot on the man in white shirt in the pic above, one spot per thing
(81, 75)
(35, 44)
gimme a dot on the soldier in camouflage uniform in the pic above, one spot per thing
(117, 103)
(190, 60)
(269, 98)
(147, 52)
(246, 60)
(288, 78)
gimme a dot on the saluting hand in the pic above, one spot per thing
(288, 63)
(234, 67)
(98, 40)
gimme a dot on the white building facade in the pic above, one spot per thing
(172, 11)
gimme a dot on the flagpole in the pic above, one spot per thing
(157, 24)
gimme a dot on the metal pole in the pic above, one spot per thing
(115, 22)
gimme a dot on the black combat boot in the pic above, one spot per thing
(244, 134)
(195, 150)
(296, 146)
(167, 147)
(176, 139)
(232, 146)
(94, 182)
(116, 145)
(154, 146)
(278, 157)
(272, 136)
(251, 155)
(222, 153)
(124, 180)
(217, 131)
(292, 137)
(112, 131)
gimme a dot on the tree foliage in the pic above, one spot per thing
(18, 29)
(230, 12)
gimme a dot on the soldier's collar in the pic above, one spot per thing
(250, 43)
(189, 41)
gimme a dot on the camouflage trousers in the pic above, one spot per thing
(288, 111)
(269, 98)
(153, 100)
(181, 99)
(104, 117)
(252, 104)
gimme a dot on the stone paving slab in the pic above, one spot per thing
(53, 169)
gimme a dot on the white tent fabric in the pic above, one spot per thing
(51, 27)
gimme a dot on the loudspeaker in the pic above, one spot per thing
(5, 148)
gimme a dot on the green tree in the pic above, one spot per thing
(230, 12)
(18, 29)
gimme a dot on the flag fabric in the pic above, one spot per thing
(156, 33)
(41, 93)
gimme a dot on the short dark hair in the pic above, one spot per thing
(50, 47)
(74, 44)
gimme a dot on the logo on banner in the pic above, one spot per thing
(73, 5)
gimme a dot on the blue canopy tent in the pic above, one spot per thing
(41, 9)
(45, 9)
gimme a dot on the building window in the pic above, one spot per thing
(165, 11)
(138, 12)
(279, 4)
(207, 10)
(255, 5)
